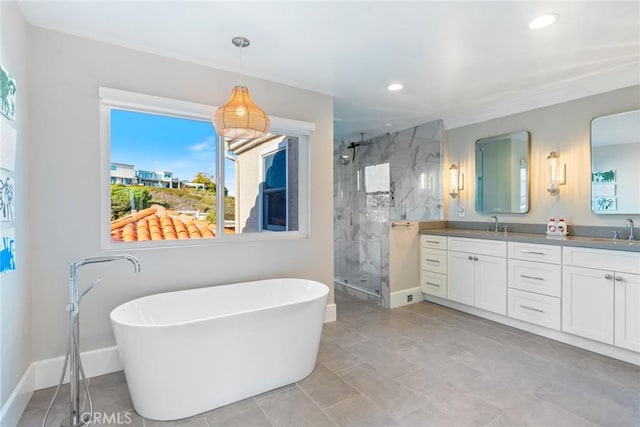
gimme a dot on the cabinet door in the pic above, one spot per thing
(491, 283)
(627, 309)
(587, 303)
(460, 286)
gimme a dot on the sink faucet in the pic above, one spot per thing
(628, 223)
(495, 222)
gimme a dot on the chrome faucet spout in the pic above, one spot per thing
(136, 264)
(628, 223)
(494, 218)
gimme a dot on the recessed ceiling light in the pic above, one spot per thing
(543, 21)
(395, 86)
(387, 124)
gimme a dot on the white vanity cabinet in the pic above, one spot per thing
(581, 296)
(477, 273)
(433, 265)
(601, 295)
(535, 283)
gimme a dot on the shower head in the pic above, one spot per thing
(353, 145)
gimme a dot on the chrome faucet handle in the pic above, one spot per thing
(615, 235)
(505, 229)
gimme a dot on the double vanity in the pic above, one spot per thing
(581, 291)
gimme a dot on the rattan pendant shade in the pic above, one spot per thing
(240, 117)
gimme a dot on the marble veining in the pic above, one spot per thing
(362, 215)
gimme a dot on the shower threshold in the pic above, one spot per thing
(355, 286)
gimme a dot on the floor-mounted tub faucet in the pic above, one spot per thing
(76, 372)
(628, 223)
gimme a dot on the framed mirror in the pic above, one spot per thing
(502, 173)
(615, 167)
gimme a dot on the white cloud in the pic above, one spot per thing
(207, 145)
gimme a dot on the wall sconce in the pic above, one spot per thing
(556, 173)
(456, 180)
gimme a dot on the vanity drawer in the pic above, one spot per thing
(478, 246)
(533, 308)
(533, 252)
(433, 242)
(621, 261)
(433, 283)
(535, 277)
(433, 260)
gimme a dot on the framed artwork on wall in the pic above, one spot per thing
(7, 250)
(7, 94)
(8, 137)
(7, 197)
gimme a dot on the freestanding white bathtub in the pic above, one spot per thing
(191, 351)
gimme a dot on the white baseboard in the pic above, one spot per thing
(18, 400)
(587, 344)
(94, 362)
(330, 313)
(400, 298)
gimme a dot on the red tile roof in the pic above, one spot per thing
(158, 223)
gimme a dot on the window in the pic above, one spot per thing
(279, 187)
(166, 181)
(274, 191)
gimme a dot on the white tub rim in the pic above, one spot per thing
(324, 292)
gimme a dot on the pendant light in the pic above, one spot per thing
(240, 117)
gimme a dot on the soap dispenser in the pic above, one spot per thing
(551, 225)
(561, 226)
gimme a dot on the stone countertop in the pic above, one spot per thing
(585, 242)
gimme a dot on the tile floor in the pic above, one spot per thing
(420, 365)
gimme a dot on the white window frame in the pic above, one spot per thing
(132, 101)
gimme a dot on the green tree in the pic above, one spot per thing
(121, 197)
(206, 179)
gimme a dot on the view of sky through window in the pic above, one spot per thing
(154, 142)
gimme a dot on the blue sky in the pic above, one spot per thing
(160, 143)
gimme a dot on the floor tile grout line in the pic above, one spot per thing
(317, 405)
(262, 410)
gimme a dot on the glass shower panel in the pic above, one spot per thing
(362, 215)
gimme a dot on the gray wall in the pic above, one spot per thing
(66, 72)
(565, 128)
(15, 289)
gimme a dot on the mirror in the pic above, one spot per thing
(502, 173)
(615, 171)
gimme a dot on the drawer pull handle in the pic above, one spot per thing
(433, 284)
(532, 309)
(608, 276)
(524, 276)
(433, 241)
(619, 278)
(533, 252)
(432, 260)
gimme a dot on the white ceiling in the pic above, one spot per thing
(461, 61)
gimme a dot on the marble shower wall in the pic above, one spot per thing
(361, 219)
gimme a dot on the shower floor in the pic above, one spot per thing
(367, 282)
